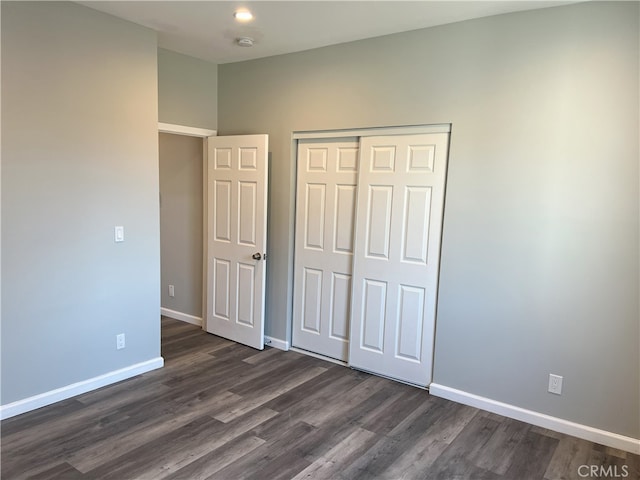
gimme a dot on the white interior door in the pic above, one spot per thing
(237, 237)
(326, 195)
(401, 183)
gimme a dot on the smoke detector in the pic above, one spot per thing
(245, 41)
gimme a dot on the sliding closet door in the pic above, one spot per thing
(325, 208)
(397, 251)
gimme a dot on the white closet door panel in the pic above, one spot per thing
(314, 216)
(409, 328)
(344, 221)
(312, 300)
(416, 224)
(401, 184)
(374, 310)
(340, 306)
(378, 221)
(325, 212)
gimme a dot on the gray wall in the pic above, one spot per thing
(181, 222)
(79, 156)
(187, 89)
(539, 268)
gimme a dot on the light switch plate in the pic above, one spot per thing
(119, 233)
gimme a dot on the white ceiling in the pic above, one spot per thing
(207, 29)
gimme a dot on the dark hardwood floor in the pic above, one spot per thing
(224, 411)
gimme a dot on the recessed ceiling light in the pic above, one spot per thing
(243, 15)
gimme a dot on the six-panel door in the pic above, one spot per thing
(325, 209)
(396, 255)
(237, 231)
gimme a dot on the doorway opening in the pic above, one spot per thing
(182, 180)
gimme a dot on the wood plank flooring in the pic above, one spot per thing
(219, 410)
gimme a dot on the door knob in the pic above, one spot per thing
(256, 256)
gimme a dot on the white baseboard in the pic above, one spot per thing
(53, 396)
(185, 317)
(276, 343)
(585, 432)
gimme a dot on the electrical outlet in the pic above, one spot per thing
(172, 291)
(555, 384)
(120, 341)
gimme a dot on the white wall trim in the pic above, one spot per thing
(53, 396)
(368, 132)
(185, 317)
(585, 432)
(276, 343)
(184, 130)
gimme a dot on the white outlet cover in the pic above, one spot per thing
(555, 384)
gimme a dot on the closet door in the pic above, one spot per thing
(325, 208)
(397, 251)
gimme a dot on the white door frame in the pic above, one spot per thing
(184, 130)
(200, 133)
(335, 134)
(373, 131)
